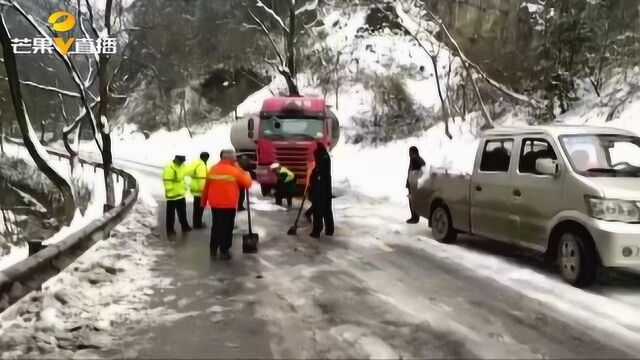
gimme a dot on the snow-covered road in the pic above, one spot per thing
(378, 289)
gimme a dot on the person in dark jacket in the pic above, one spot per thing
(245, 163)
(320, 193)
(416, 163)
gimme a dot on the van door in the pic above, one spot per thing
(490, 189)
(535, 198)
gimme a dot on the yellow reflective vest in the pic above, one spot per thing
(289, 175)
(173, 179)
(197, 171)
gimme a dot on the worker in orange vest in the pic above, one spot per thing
(221, 192)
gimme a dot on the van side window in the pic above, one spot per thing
(496, 155)
(532, 150)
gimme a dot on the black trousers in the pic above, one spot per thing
(198, 211)
(222, 224)
(280, 196)
(179, 206)
(414, 215)
(323, 218)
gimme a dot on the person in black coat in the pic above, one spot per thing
(245, 164)
(416, 163)
(320, 193)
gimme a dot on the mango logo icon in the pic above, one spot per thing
(62, 21)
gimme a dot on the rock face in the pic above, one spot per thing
(497, 34)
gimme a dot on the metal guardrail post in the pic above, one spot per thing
(34, 246)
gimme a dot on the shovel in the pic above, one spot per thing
(250, 240)
(294, 229)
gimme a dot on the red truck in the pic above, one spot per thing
(285, 131)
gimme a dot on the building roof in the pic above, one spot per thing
(556, 130)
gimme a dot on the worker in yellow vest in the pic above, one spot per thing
(174, 191)
(286, 185)
(197, 171)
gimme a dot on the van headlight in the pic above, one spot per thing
(613, 210)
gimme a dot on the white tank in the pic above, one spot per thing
(240, 134)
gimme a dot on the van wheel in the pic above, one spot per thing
(442, 226)
(266, 190)
(577, 257)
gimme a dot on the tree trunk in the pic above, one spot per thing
(183, 113)
(103, 127)
(28, 136)
(291, 40)
(293, 87)
(43, 129)
(2, 137)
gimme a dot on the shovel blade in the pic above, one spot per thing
(292, 230)
(250, 243)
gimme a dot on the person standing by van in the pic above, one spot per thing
(416, 163)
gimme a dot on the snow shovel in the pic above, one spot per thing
(294, 229)
(250, 240)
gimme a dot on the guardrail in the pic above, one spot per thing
(29, 274)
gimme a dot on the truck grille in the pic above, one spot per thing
(293, 158)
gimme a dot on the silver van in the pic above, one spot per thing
(572, 192)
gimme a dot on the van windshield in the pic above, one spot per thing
(287, 128)
(603, 155)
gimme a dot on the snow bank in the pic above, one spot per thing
(618, 92)
(85, 310)
(15, 255)
(382, 171)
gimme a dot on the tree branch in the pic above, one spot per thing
(46, 88)
(273, 14)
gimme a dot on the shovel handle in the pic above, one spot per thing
(304, 199)
(248, 209)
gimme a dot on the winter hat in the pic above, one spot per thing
(275, 166)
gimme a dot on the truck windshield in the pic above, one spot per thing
(603, 155)
(287, 128)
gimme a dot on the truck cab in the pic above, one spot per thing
(288, 131)
(572, 193)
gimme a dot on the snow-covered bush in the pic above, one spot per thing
(394, 114)
(30, 180)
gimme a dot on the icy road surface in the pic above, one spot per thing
(378, 289)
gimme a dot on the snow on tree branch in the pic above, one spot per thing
(273, 15)
(71, 68)
(46, 88)
(307, 7)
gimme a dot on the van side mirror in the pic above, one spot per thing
(546, 166)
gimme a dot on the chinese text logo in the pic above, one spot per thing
(62, 22)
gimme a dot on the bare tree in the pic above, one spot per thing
(291, 30)
(103, 125)
(415, 29)
(40, 157)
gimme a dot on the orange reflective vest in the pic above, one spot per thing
(223, 185)
(310, 166)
